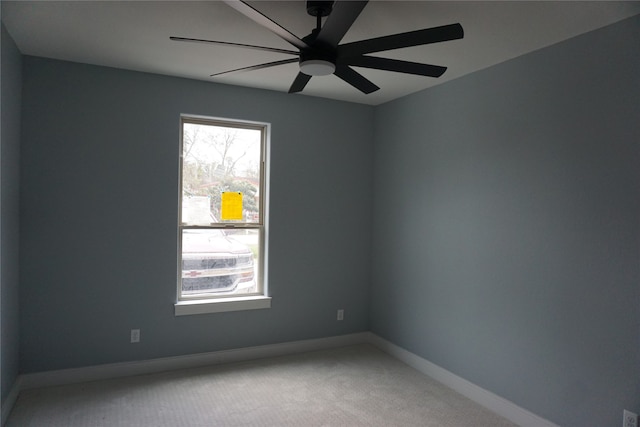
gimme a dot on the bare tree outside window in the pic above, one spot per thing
(218, 159)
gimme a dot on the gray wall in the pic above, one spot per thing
(9, 210)
(99, 215)
(507, 227)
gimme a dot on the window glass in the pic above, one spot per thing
(221, 208)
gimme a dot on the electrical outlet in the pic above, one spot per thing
(135, 335)
(341, 314)
(629, 419)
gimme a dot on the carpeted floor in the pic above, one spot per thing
(350, 386)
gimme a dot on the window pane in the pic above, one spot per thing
(221, 169)
(218, 262)
(219, 159)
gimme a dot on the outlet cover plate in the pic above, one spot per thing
(630, 419)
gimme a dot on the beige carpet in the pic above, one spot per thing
(350, 386)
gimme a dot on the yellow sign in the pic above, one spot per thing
(231, 205)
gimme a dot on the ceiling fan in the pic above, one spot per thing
(320, 53)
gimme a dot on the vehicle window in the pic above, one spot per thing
(221, 218)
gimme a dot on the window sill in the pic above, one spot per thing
(186, 308)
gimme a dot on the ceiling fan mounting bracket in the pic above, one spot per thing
(319, 8)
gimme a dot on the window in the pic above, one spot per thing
(221, 220)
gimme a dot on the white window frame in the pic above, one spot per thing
(228, 302)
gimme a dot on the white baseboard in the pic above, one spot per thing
(125, 369)
(8, 403)
(493, 402)
(479, 395)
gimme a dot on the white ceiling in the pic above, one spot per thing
(134, 35)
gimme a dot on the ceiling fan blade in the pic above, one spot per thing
(339, 21)
(249, 46)
(258, 67)
(397, 66)
(355, 79)
(299, 83)
(266, 22)
(397, 41)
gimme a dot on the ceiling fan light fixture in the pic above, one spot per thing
(317, 67)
